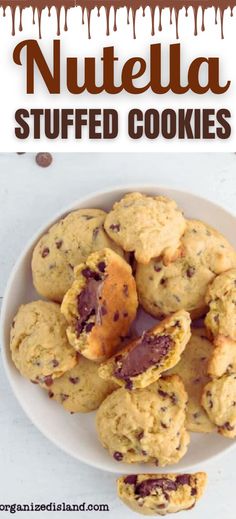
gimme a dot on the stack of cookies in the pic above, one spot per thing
(92, 270)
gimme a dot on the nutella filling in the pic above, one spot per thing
(149, 350)
(147, 486)
(88, 304)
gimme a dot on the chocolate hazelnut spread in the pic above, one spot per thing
(88, 304)
(147, 486)
(111, 7)
(148, 351)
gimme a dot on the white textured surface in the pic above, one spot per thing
(31, 468)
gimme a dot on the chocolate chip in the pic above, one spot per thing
(90, 274)
(95, 232)
(129, 384)
(125, 314)
(183, 479)
(59, 244)
(162, 393)
(89, 327)
(43, 159)
(74, 380)
(174, 398)
(64, 397)
(87, 217)
(177, 298)
(163, 281)
(130, 480)
(45, 252)
(190, 272)
(193, 491)
(48, 380)
(140, 435)
(126, 290)
(228, 427)
(101, 266)
(115, 227)
(103, 310)
(164, 425)
(55, 363)
(116, 316)
(118, 456)
(50, 394)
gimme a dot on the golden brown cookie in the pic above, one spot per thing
(164, 289)
(100, 305)
(66, 244)
(219, 401)
(221, 298)
(149, 226)
(81, 390)
(145, 425)
(161, 494)
(38, 342)
(223, 358)
(192, 369)
(143, 360)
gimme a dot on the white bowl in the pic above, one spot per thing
(76, 434)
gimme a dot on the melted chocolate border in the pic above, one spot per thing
(112, 6)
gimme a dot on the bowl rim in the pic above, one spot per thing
(72, 206)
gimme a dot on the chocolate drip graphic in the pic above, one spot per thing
(111, 7)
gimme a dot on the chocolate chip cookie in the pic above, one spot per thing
(192, 369)
(145, 425)
(81, 390)
(149, 226)
(163, 289)
(221, 298)
(100, 305)
(66, 244)
(143, 360)
(161, 494)
(223, 358)
(38, 342)
(219, 401)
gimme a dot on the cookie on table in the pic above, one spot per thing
(144, 359)
(161, 494)
(223, 358)
(221, 298)
(163, 289)
(219, 401)
(149, 226)
(81, 390)
(66, 244)
(38, 342)
(100, 305)
(145, 425)
(193, 369)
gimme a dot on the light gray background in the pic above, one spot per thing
(31, 468)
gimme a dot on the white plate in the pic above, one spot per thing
(75, 434)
